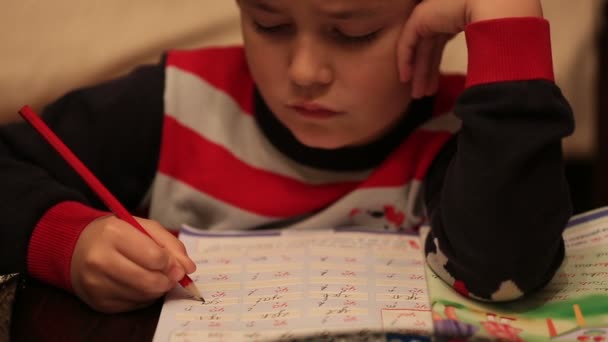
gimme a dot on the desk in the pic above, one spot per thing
(44, 313)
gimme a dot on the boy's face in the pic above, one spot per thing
(328, 68)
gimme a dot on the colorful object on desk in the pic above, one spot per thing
(104, 194)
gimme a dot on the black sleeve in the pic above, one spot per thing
(497, 196)
(114, 128)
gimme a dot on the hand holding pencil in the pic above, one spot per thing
(115, 267)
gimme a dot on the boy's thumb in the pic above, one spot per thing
(185, 262)
(175, 271)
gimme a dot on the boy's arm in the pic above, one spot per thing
(115, 130)
(497, 196)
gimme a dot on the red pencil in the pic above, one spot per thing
(104, 194)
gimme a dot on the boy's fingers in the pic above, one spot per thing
(120, 290)
(142, 286)
(105, 288)
(188, 265)
(172, 244)
(115, 301)
(405, 50)
(142, 250)
(128, 281)
(422, 67)
(433, 81)
(176, 271)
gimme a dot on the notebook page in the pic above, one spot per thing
(274, 285)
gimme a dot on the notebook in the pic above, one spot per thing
(289, 285)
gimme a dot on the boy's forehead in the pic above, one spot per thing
(340, 9)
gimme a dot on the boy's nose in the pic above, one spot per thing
(308, 66)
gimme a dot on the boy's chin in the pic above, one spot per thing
(324, 142)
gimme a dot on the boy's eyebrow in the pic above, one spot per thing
(334, 14)
(350, 13)
(260, 5)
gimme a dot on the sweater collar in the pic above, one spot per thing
(356, 158)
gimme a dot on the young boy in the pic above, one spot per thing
(333, 114)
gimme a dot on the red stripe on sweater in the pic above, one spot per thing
(212, 169)
(224, 68)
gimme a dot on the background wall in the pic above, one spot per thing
(49, 47)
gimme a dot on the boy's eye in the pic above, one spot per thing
(336, 34)
(355, 39)
(270, 28)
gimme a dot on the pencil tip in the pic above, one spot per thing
(194, 292)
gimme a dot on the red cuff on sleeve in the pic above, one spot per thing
(54, 239)
(509, 49)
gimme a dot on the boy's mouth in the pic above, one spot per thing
(314, 110)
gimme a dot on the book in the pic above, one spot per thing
(368, 285)
(572, 307)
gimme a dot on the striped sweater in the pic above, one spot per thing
(215, 155)
(193, 142)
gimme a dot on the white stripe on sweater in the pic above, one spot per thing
(214, 115)
(179, 203)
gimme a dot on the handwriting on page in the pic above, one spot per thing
(264, 287)
(586, 236)
(583, 273)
